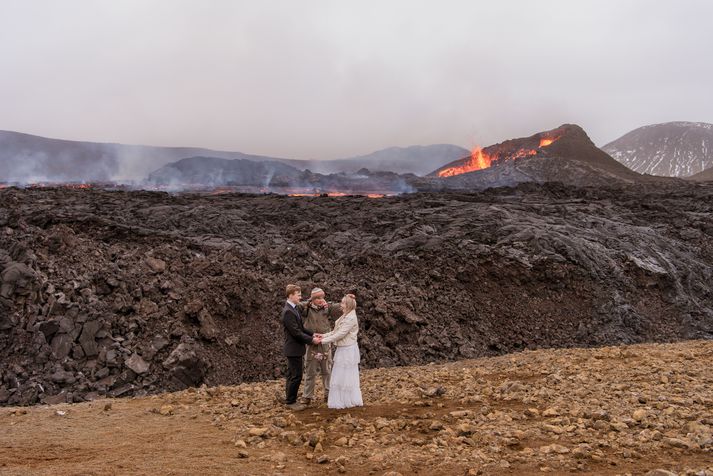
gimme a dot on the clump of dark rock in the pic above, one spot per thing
(113, 293)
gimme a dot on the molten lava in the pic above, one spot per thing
(318, 194)
(480, 160)
(301, 193)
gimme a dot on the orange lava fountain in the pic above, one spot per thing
(479, 160)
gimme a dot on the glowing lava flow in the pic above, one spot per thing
(318, 194)
(340, 194)
(479, 160)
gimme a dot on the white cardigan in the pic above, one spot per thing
(345, 331)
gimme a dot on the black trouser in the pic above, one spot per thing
(293, 378)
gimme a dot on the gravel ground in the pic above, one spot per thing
(611, 410)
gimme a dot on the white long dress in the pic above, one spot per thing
(344, 386)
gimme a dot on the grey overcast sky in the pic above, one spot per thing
(328, 79)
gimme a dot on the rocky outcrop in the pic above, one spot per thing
(129, 293)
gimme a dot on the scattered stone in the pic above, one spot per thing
(436, 426)
(86, 338)
(156, 265)
(618, 426)
(660, 472)
(676, 442)
(262, 432)
(433, 391)
(554, 448)
(137, 364)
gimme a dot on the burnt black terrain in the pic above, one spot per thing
(126, 293)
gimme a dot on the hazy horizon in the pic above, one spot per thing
(321, 80)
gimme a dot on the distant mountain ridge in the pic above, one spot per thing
(27, 158)
(416, 159)
(671, 149)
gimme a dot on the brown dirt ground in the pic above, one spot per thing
(132, 437)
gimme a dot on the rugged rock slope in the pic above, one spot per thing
(124, 293)
(672, 149)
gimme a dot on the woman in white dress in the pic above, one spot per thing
(344, 389)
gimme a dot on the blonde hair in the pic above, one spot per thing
(349, 303)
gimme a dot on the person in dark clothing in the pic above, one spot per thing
(296, 337)
(316, 313)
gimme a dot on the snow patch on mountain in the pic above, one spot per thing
(672, 149)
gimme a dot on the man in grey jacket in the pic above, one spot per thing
(318, 358)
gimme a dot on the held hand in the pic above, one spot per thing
(316, 340)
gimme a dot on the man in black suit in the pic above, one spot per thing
(296, 337)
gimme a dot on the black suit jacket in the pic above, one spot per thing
(296, 336)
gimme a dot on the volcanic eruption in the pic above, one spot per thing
(564, 154)
(482, 159)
